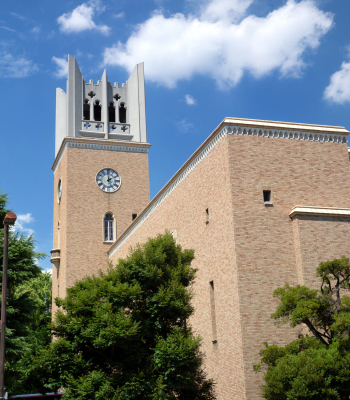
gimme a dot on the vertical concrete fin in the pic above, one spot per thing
(142, 102)
(75, 97)
(61, 118)
(133, 114)
(136, 104)
(104, 101)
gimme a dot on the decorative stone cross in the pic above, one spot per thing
(91, 94)
(124, 128)
(116, 96)
(98, 126)
(113, 127)
(87, 125)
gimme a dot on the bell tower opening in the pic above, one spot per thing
(111, 112)
(122, 113)
(86, 110)
(97, 110)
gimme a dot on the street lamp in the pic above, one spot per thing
(10, 219)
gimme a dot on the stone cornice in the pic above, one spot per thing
(257, 123)
(99, 144)
(235, 126)
(320, 211)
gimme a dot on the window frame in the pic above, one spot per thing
(114, 227)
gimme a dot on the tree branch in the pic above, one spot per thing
(315, 332)
(345, 279)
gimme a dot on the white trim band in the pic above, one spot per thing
(94, 146)
(320, 211)
(287, 134)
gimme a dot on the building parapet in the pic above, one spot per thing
(259, 123)
(320, 211)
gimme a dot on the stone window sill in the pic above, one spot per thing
(268, 204)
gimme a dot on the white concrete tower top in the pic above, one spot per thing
(101, 110)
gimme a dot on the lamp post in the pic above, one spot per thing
(10, 219)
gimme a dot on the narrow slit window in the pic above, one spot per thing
(108, 225)
(207, 216)
(97, 110)
(111, 112)
(122, 114)
(59, 235)
(267, 196)
(86, 110)
(212, 312)
(134, 216)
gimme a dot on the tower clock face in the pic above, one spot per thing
(108, 180)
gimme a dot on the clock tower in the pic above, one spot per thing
(101, 179)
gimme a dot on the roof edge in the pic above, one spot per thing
(286, 125)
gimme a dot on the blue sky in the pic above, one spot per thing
(204, 60)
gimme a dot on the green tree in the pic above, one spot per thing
(25, 331)
(316, 366)
(123, 335)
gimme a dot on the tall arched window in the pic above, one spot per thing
(111, 112)
(86, 110)
(97, 110)
(122, 114)
(108, 225)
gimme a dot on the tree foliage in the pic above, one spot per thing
(123, 334)
(316, 366)
(28, 300)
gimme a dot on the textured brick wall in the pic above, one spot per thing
(320, 239)
(59, 216)
(83, 206)
(248, 249)
(207, 187)
(297, 173)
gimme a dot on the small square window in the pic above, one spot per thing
(267, 196)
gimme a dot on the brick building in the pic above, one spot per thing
(261, 202)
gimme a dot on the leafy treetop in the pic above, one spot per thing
(123, 334)
(317, 365)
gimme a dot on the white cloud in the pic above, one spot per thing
(36, 30)
(184, 126)
(62, 67)
(338, 90)
(47, 271)
(80, 19)
(23, 219)
(8, 29)
(19, 16)
(224, 10)
(119, 15)
(15, 67)
(214, 44)
(190, 100)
